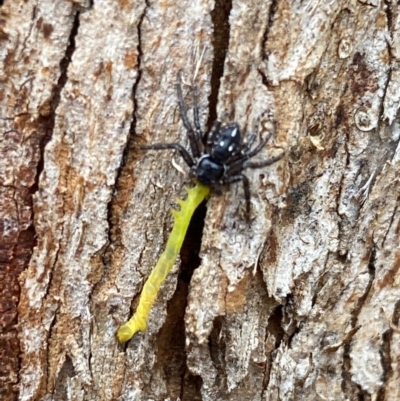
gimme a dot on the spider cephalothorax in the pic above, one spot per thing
(219, 156)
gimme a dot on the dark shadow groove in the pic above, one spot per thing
(46, 122)
(220, 42)
(171, 357)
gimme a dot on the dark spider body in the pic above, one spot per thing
(217, 157)
(210, 168)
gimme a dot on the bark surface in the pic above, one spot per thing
(302, 303)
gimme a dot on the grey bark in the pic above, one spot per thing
(302, 303)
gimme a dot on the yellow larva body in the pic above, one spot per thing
(138, 322)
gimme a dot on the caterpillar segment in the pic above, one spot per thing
(138, 322)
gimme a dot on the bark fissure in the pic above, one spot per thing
(274, 328)
(350, 387)
(321, 279)
(52, 325)
(132, 130)
(272, 11)
(171, 357)
(124, 169)
(34, 9)
(386, 362)
(359, 304)
(392, 218)
(343, 221)
(220, 42)
(389, 16)
(381, 121)
(46, 123)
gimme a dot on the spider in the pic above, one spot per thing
(217, 157)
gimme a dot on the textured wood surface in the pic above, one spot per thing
(300, 304)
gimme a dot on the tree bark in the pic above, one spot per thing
(300, 303)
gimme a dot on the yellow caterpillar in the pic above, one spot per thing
(138, 322)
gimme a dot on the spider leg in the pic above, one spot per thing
(175, 146)
(238, 164)
(196, 118)
(248, 144)
(258, 148)
(263, 163)
(246, 187)
(194, 146)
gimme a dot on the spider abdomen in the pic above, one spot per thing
(209, 171)
(227, 143)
